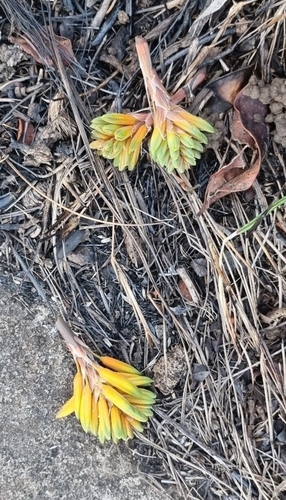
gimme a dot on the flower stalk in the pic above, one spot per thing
(177, 139)
(109, 398)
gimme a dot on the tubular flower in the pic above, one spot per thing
(119, 136)
(177, 139)
(109, 398)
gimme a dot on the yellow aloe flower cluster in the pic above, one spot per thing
(177, 139)
(109, 399)
(118, 137)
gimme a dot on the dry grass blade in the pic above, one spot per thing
(131, 298)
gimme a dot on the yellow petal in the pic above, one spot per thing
(146, 410)
(135, 424)
(127, 428)
(162, 155)
(94, 416)
(190, 129)
(97, 145)
(124, 133)
(138, 402)
(104, 426)
(85, 408)
(146, 397)
(109, 129)
(196, 121)
(119, 118)
(108, 146)
(133, 159)
(170, 167)
(117, 365)
(137, 138)
(121, 402)
(66, 409)
(111, 153)
(99, 135)
(97, 123)
(188, 157)
(175, 156)
(173, 141)
(117, 162)
(125, 155)
(138, 380)
(144, 405)
(156, 140)
(198, 146)
(115, 380)
(186, 140)
(197, 154)
(117, 430)
(187, 153)
(77, 391)
(148, 394)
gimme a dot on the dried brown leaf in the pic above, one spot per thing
(252, 114)
(239, 133)
(222, 182)
(184, 290)
(249, 128)
(65, 48)
(26, 132)
(228, 86)
(28, 47)
(63, 44)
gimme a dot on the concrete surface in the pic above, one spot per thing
(42, 458)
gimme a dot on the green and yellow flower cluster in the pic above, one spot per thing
(109, 399)
(177, 138)
(119, 136)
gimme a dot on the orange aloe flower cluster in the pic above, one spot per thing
(177, 139)
(110, 401)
